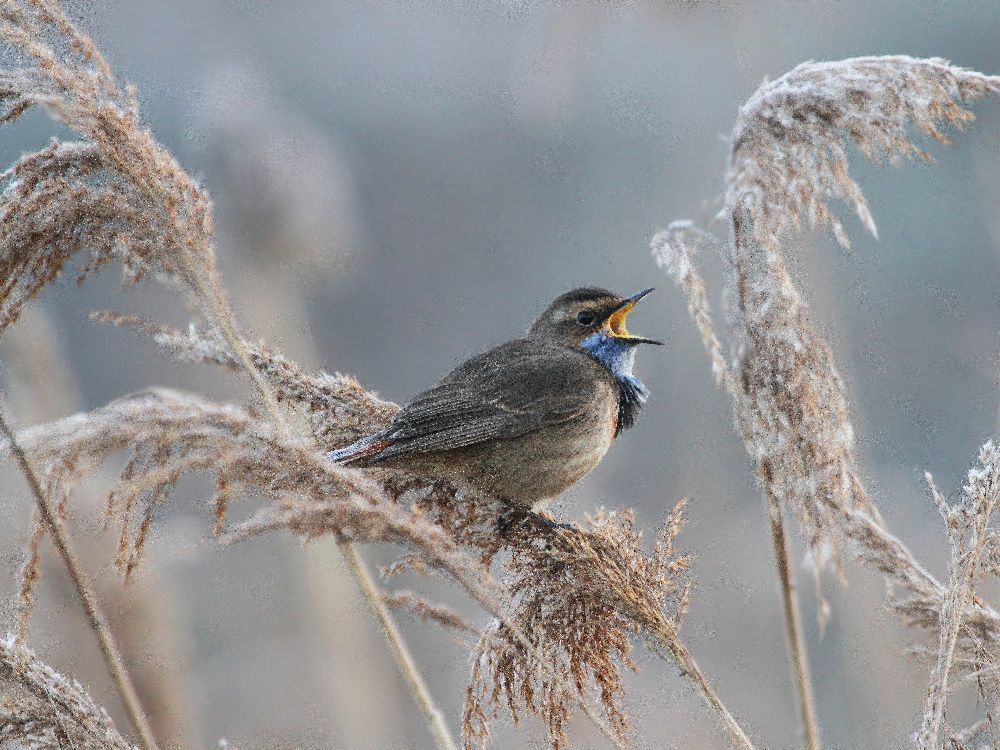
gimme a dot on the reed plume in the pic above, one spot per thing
(971, 538)
(787, 159)
(42, 710)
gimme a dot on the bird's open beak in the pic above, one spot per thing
(615, 324)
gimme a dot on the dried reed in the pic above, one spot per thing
(119, 194)
(787, 158)
(42, 710)
(52, 518)
(970, 539)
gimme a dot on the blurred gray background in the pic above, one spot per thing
(399, 185)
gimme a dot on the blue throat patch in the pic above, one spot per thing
(618, 357)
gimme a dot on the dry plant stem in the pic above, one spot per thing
(400, 652)
(221, 314)
(966, 555)
(666, 637)
(951, 621)
(95, 616)
(797, 653)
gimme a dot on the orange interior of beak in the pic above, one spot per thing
(616, 323)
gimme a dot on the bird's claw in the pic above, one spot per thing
(528, 518)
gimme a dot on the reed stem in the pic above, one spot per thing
(666, 637)
(221, 315)
(798, 656)
(400, 652)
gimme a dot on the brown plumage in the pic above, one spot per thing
(527, 419)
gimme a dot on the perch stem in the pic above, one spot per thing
(798, 656)
(404, 659)
(219, 312)
(95, 616)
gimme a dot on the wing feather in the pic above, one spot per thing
(517, 388)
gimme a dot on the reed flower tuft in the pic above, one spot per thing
(42, 710)
(580, 596)
(787, 153)
(787, 159)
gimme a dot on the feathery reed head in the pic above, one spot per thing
(787, 154)
(42, 710)
(118, 194)
(580, 597)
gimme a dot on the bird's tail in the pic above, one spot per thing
(367, 447)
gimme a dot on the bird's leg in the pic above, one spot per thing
(544, 521)
(508, 520)
(520, 515)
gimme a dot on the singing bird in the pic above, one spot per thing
(527, 419)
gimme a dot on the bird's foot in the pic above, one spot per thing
(506, 522)
(548, 524)
(526, 518)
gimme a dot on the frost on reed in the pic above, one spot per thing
(118, 194)
(788, 152)
(337, 408)
(42, 710)
(787, 159)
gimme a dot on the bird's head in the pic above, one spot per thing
(594, 320)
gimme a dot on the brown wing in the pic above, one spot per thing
(516, 388)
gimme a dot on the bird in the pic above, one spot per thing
(527, 419)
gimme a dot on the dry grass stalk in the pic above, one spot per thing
(411, 673)
(970, 538)
(787, 158)
(120, 194)
(95, 616)
(763, 416)
(42, 710)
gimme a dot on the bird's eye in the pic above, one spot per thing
(586, 318)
